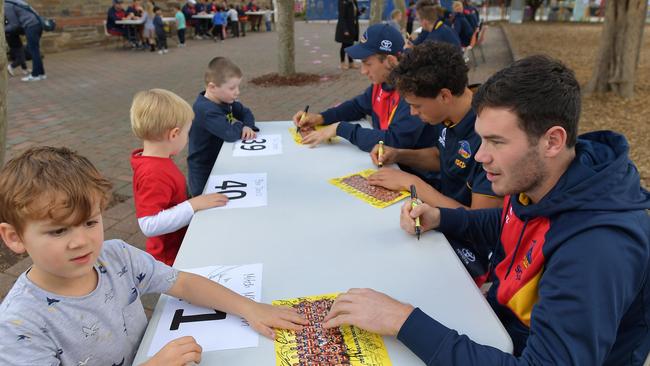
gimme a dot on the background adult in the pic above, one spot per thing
(347, 29)
(20, 17)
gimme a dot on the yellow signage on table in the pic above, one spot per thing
(297, 136)
(313, 345)
(357, 185)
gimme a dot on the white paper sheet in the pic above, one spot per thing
(243, 190)
(210, 329)
(260, 146)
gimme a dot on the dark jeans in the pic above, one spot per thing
(234, 26)
(217, 31)
(161, 40)
(33, 35)
(181, 36)
(16, 50)
(342, 53)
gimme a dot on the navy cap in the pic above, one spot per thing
(377, 39)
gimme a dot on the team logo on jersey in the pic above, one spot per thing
(466, 255)
(461, 164)
(528, 259)
(464, 150)
(443, 136)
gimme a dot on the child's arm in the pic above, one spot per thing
(179, 216)
(217, 124)
(244, 114)
(179, 352)
(262, 317)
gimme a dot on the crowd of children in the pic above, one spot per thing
(222, 20)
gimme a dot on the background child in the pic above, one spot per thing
(268, 16)
(218, 22)
(161, 35)
(180, 25)
(162, 119)
(79, 303)
(396, 19)
(149, 32)
(218, 117)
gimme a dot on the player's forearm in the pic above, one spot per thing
(424, 159)
(201, 291)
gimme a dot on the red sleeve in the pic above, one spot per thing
(153, 193)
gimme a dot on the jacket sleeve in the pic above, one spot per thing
(351, 110)
(343, 14)
(567, 327)
(403, 132)
(12, 22)
(217, 124)
(476, 226)
(243, 114)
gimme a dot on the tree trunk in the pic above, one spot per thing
(620, 47)
(3, 87)
(401, 6)
(376, 8)
(286, 46)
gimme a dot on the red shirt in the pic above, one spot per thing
(158, 184)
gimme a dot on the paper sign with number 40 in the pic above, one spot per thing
(243, 190)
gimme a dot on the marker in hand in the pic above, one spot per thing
(380, 152)
(414, 204)
(302, 118)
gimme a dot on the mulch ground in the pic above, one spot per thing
(577, 46)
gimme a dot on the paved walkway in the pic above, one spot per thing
(84, 103)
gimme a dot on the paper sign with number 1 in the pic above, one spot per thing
(243, 190)
(260, 145)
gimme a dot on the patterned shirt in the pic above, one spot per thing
(105, 327)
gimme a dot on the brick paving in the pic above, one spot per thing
(84, 103)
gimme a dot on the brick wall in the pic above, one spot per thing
(80, 23)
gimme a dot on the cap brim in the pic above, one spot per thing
(359, 51)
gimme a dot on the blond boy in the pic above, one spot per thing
(219, 117)
(79, 303)
(162, 120)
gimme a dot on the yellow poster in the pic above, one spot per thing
(357, 185)
(315, 346)
(298, 138)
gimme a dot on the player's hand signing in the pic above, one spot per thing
(208, 201)
(393, 179)
(429, 217)
(390, 155)
(247, 133)
(179, 352)
(321, 135)
(310, 119)
(369, 310)
(263, 318)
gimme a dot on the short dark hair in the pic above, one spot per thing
(220, 69)
(540, 90)
(430, 67)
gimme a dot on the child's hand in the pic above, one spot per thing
(178, 352)
(309, 120)
(208, 201)
(247, 133)
(264, 317)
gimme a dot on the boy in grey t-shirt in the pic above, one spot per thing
(79, 303)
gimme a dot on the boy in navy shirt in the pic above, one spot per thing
(392, 123)
(218, 117)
